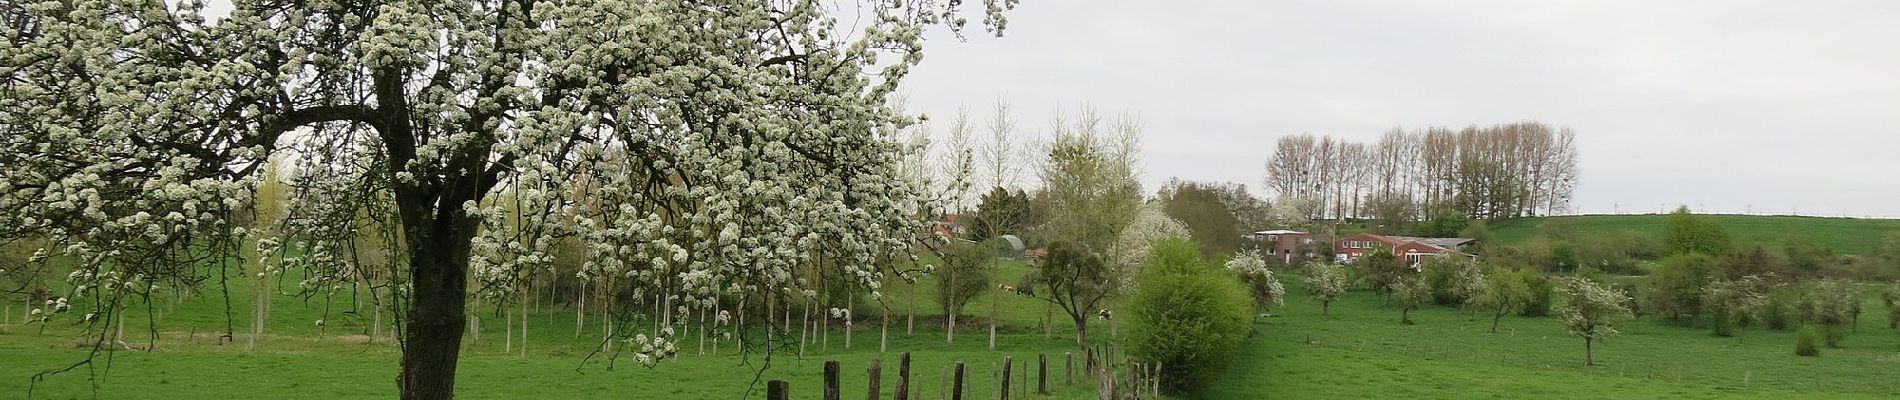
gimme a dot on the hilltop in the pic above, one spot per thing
(1844, 235)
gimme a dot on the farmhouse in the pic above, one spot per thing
(1285, 244)
(1411, 249)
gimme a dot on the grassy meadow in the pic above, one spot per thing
(1361, 351)
(298, 359)
(1844, 235)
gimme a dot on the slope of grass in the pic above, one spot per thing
(1844, 235)
(1361, 351)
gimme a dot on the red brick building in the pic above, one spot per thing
(1289, 246)
(1412, 250)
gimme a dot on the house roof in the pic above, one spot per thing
(1440, 242)
(1279, 232)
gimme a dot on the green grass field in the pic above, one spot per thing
(1361, 351)
(1844, 235)
(300, 360)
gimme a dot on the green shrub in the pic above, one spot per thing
(1542, 293)
(1441, 278)
(1780, 312)
(1805, 342)
(1563, 258)
(1187, 314)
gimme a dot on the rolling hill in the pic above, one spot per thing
(1844, 235)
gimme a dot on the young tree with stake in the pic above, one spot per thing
(1325, 282)
(1590, 311)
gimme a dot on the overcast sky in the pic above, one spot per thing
(1775, 106)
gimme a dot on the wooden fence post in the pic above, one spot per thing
(777, 390)
(876, 373)
(956, 390)
(1022, 376)
(1042, 374)
(1006, 367)
(991, 385)
(1088, 365)
(831, 381)
(903, 378)
(1068, 368)
(1157, 385)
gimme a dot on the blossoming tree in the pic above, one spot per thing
(722, 145)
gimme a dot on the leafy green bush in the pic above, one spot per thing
(1441, 278)
(1380, 269)
(1677, 285)
(1542, 293)
(1187, 314)
(964, 275)
(1806, 342)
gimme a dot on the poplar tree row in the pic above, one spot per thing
(1500, 171)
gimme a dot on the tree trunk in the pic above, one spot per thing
(439, 250)
(524, 323)
(376, 327)
(580, 311)
(1405, 316)
(1588, 358)
(1081, 331)
(949, 326)
(1326, 308)
(910, 318)
(1494, 321)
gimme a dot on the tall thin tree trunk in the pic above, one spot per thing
(525, 298)
(376, 327)
(849, 318)
(702, 331)
(910, 318)
(993, 297)
(580, 310)
(738, 329)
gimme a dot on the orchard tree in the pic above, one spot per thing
(1502, 293)
(1131, 249)
(1834, 304)
(1382, 269)
(1076, 280)
(728, 141)
(1590, 310)
(1261, 282)
(1732, 302)
(965, 274)
(1891, 297)
(1325, 282)
(1410, 293)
